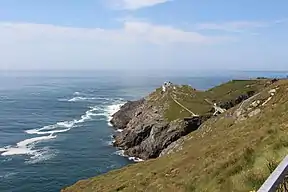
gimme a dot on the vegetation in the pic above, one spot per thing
(224, 155)
(195, 100)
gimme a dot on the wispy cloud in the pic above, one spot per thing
(131, 31)
(238, 26)
(135, 4)
(49, 46)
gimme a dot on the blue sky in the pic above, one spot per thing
(144, 34)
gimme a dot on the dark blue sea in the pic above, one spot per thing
(54, 126)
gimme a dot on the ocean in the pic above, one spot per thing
(54, 126)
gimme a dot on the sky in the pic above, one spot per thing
(143, 34)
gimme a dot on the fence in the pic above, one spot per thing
(278, 180)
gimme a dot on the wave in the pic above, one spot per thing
(25, 147)
(64, 126)
(77, 93)
(122, 154)
(41, 155)
(112, 109)
(79, 98)
(9, 174)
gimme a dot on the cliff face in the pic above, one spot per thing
(122, 117)
(146, 130)
(149, 125)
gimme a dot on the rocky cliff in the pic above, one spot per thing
(149, 127)
(146, 130)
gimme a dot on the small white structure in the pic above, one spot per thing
(163, 88)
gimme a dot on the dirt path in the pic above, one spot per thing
(182, 106)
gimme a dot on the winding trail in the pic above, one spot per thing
(182, 106)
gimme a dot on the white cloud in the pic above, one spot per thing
(29, 45)
(132, 31)
(231, 26)
(135, 4)
(238, 26)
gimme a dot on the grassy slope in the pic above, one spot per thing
(195, 100)
(221, 156)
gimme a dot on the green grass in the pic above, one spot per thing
(222, 156)
(195, 100)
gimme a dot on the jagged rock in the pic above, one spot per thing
(146, 132)
(226, 105)
(126, 113)
(229, 104)
(241, 98)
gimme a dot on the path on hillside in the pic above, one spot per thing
(217, 108)
(245, 101)
(182, 106)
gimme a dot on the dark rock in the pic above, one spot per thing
(274, 80)
(226, 105)
(126, 113)
(241, 98)
(250, 93)
(146, 132)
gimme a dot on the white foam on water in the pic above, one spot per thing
(79, 98)
(41, 155)
(120, 153)
(25, 147)
(119, 130)
(135, 159)
(74, 99)
(7, 175)
(52, 129)
(110, 143)
(3, 149)
(64, 126)
(112, 109)
(76, 93)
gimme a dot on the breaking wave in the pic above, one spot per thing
(135, 159)
(81, 99)
(27, 146)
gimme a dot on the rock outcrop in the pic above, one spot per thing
(125, 114)
(146, 132)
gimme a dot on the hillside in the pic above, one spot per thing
(235, 151)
